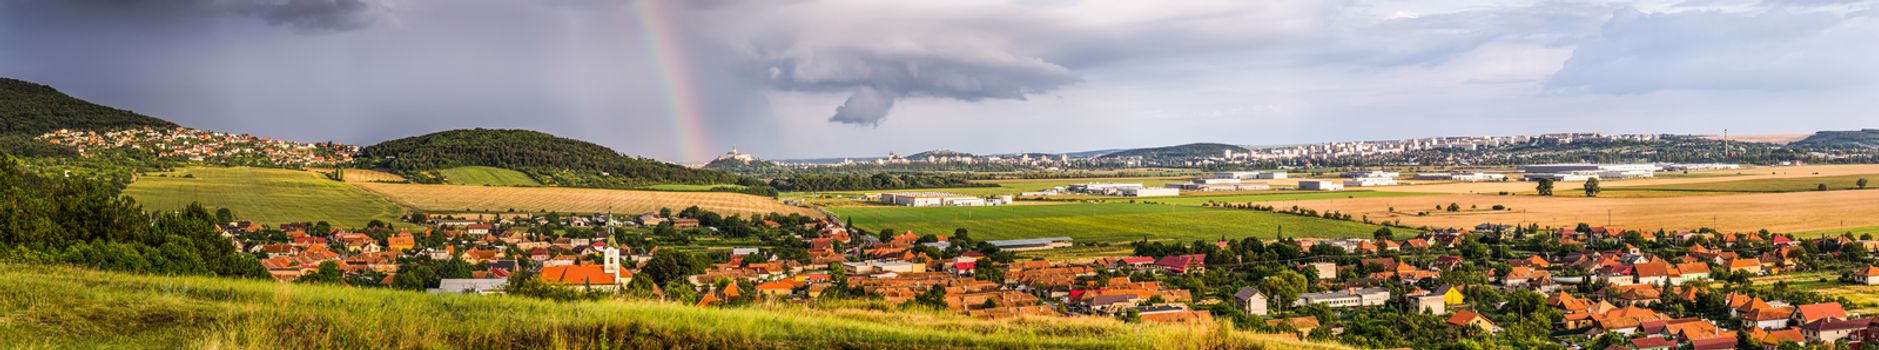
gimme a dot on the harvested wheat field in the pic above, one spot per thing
(1746, 174)
(364, 175)
(588, 200)
(1781, 212)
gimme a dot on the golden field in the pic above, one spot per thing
(587, 200)
(1636, 209)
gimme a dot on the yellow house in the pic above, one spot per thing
(1451, 295)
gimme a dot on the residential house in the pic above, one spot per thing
(1251, 301)
(1867, 276)
(1809, 313)
(1469, 318)
(1184, 264)
(1832, 330)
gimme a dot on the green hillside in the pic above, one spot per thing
(1854, 138)
(1191, 150)
(486, 176)
(268, 196)
(93, 309)
(547, 159)
(32, 109)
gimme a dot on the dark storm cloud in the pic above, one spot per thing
(309, 15)
(878, 77)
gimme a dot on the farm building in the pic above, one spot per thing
(1103, 188)
(1368, 174)
(1582, 172)
(1149, 192)
(1263, 175)
(931, 199)
(1369, 182)
(1319, 185)
(1469, 177)
(1220, 184)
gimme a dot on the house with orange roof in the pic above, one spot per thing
(1867, 276)
(1749, 265)
(403, 241)
(1769, 317)
(1809, 313)
(1469, 318)
(781, 287)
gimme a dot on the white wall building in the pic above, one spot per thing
(931, 199)
(1369, 174)
(1319, 185)
(1149, 192)
(1369, 182)
(1582, 172)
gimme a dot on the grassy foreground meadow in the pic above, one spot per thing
(1099, 222)
(486, 176)
(93, 309)
(271, 196)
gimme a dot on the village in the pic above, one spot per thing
(194, 145)
(1586, 286)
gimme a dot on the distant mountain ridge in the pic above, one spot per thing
(551, 160)
(29, 108)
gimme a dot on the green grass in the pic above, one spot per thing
(268, 196)
(1857, 231)
(92, 309)
(1798, 184)
(1272, 196)
(486, 176)
(1099, 222)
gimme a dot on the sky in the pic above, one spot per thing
(685, 80)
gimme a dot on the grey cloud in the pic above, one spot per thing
(867, 106)
(306, 15)
(877, 77)
(339, 15)
(1775, 50)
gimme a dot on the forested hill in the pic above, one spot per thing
(1857, 138)
(32, 109)
(1193, 150)
(552, 160)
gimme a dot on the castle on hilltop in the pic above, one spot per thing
(735, 155)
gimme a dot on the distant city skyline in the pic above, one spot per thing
(683, 81)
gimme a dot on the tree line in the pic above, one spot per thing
(85, 222)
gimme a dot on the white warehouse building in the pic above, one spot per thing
(1319, 185)
(931, 199)
(1582, 172)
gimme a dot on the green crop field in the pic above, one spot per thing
(1795, 184)
(1269, 196)
(269, 196)
(1099, 222)
(486, 176)
(100, 310)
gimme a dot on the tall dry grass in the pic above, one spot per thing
(63, 307)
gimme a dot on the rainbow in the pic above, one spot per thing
(683, 111)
